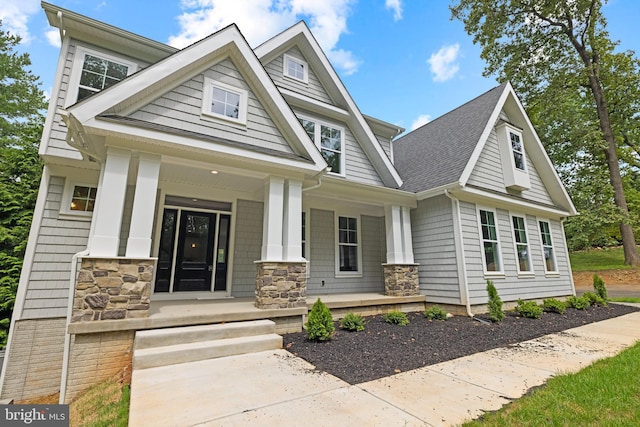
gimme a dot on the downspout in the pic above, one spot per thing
(457, 220)
(320, 174)
(566, 253)
(61, 27)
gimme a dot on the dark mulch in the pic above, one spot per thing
(383, 349)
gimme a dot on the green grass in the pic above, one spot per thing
(625, 299)
(606, 393)
(598, 259)
(103, 405)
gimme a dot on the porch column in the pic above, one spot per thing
(400, 271)
(272, 221)
(292, 222)
(139, 242)
(407, 240)
(393, 224)
(111, 193)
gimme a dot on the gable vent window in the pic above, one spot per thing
(295, 68)
(224, 101)
(518, 151)
(330, 141)
(513, 157)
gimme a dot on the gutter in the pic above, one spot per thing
(320, 175)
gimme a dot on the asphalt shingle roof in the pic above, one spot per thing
(437, 153)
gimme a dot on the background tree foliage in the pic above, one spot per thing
(21, 120)
(583, 98)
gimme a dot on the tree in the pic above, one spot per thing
(21, 120)
(560, 60)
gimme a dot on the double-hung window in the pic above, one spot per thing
(522, 244)
(295, 68)
(348, 245)
(518, 151)
(490, 243)
(330, 141)
(223, 101)
(547, 247)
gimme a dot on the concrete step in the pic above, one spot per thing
(195, 351)
(190, 334)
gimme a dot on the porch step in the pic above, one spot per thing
(163, 347)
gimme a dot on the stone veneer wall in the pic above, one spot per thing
(281, 285)
(401, 280)
(112, 288)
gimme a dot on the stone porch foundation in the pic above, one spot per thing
(401, 280)
(281, 285)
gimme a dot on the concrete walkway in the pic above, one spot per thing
(274, 388)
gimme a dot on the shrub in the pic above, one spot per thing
(352, 322)
(320, 324)
(553, 305)
(495, 303)
(529, 309)
(397, 318)
(599, 287)
(594, 299)
(579, 303)
(435, 313)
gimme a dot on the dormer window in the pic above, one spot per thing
(224, 101)
(513, 157)
(295, 68)
(330, 141)
(518, 151)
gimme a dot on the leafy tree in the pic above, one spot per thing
(583, 96)
(21, 120)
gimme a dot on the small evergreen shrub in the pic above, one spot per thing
(397, 318)
(352, 322)
(594, 299)
(553, 305)
(529, 309)
(496, 314)
(599, 287)
(579, 303)
(435, 313)
(320, 324)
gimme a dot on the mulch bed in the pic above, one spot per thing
(384, 349)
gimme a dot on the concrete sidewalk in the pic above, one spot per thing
(274, 388)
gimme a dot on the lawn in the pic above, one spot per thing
(598, 259)
(605, 393)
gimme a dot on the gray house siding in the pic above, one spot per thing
(434, 249)
(323, 278)
(358, 167)
(312, 89)
(385, 143)
(247, 248)
(181, 108)
(58, 240)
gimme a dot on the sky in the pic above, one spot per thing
(403, 61)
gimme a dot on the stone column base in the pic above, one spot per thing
(281, 284)
(401, 280)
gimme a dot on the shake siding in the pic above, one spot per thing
(181, 108)
(434, 249)
(312, 89)
(58, 240)
(248, 246)
(323, 249)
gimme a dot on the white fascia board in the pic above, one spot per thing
(53, 98)
(313, 105)
(383, 128)
(349, 190)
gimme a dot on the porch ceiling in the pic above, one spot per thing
(201, 176)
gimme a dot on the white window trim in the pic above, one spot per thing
(498, 273)
(207, 94)
(76, 70)
(518, 133)
(542, 245)
(285, 68)
(515, 178)
(515, 245)
(339, 273)
(317, 141)
(67, 195)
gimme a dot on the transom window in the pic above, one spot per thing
(329, 140)
(295, 68)
(518, 150)
(547, 247)
(522, 243)
(224, 101)
(490, 243)
(83, 198)
(348, 244)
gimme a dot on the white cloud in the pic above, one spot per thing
(53, 37)
(396, 7)
(443, 63)
(15, 14)
(260, 20)
(421, 120)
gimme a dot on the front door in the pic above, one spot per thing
(193, 253)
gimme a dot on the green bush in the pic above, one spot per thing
(554, 306)
(599, 287)
(352, 322)
(496, 314)
(435, 313)
(579, 303)
(594, 299)
(529, 309)
(397, 318)
(320, 324)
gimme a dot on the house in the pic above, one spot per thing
(220, 172)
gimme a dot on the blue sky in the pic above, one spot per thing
(403, 61)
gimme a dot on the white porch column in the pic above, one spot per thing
(139, 242)
(407, 240)
(393, 225)
(110, 204)
(292, 222)
(272, 223)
